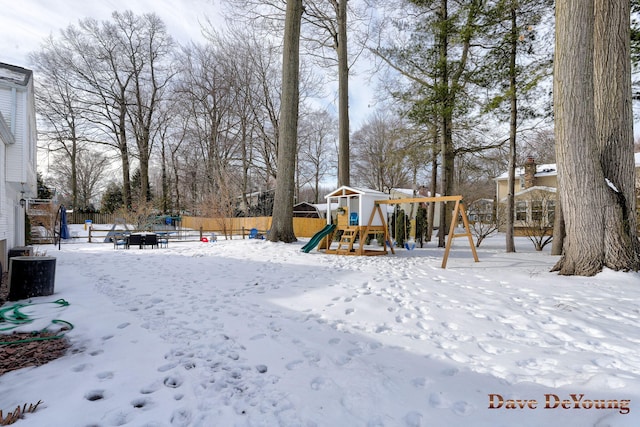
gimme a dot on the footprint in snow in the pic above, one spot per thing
(142, 403)
(413, 419)
(152, 388)
(94, 395)
(293, 364)
(317, 383)
(173, 381)
(106, 375)
(81, 367)
(437, 400)
(180, 418)
(167, 367)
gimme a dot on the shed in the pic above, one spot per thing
(305, 210)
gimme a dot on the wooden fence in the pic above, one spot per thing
(302, 227)
(96, 218)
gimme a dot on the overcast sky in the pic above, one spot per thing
(25, 23)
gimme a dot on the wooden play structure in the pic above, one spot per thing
(362, 214)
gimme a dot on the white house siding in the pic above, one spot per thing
(18, 153)
(4, 208)
(17, 156)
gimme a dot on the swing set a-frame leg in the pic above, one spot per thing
(459, 210)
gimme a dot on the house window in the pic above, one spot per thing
(521, 211)
(536, 210)
(551, 211)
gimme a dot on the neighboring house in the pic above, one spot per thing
(481, 210)
(17, 154)
(535, 193)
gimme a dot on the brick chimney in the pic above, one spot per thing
(529, 172)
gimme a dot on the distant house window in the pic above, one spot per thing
(521, 211)
(481, 211)
(551, 211)
(522, 182)
(536, 210)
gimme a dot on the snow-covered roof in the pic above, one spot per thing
(407, 191)
(550, 169)
(540, 188)
(14, 74)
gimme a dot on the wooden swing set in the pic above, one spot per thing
(350, 233)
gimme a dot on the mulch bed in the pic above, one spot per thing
(22, 355)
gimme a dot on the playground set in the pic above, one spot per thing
(362, 214)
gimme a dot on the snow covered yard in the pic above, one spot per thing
(252, 333)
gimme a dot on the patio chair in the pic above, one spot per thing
(120, 241)
(253, 233)
(135, 240)
(151, 240)
(163, 241)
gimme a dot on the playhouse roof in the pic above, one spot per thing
(351, 191)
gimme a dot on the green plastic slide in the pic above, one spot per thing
(317, 238)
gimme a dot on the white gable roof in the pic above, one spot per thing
(348, 191)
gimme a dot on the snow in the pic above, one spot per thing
(255, 333)
(611, 185)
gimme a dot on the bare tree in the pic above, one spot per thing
(118, 70)
(95, 58)
(91, 168)
(62, 126)
(380, 151)
(330, 17)
(316, 137)
(148, 49)
(486, 219)
(325, 34)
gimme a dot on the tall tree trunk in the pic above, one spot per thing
(595, 166)
(164, 176)
(343, 97)
(513, 125)
(446, 149)
(579, 172)
(614, 131)
(124, 156)
(282, 221)
(431, 209)
(558, 229)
